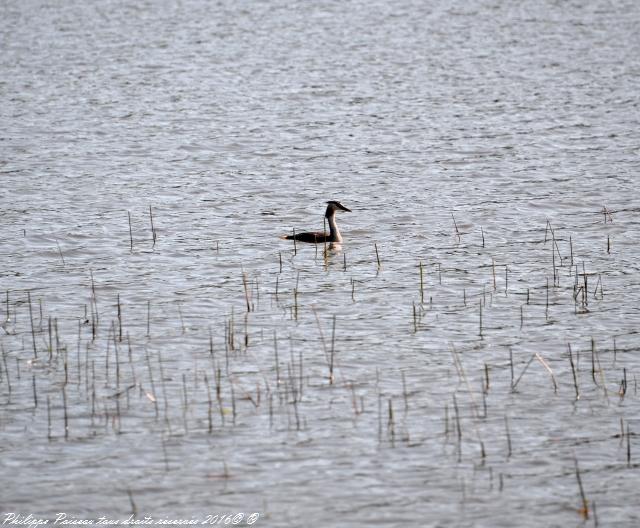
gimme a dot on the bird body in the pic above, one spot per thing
(319, 237)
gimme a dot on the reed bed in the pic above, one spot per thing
(466, 379)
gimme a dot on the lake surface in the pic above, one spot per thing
(418, 375)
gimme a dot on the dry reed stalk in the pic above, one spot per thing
(455, 225)
(130, 232)
(584, 510)
(493, 271)
(546, 308)
(533, 356)
(153, 229)
(511, 365)
(49, 437)
(151, 396)
(66, 415)
(62, 257)
(573, 371)
(6, 369)
(458, 427)
(219, 393)
(421, 283)
(548, 369)
(34, 390)
(33, 332)
(463, 378)
(246, 291)
(508, 433)
(185, 403)
(391, 423)
(628, 446)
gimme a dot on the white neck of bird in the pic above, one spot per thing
(334, 232)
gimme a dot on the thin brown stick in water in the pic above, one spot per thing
(421, 284)
(533, 356)
(295, 247)
(584, 510)
(573, 371)
(246, 291)
(130, 232)
(64, 264)
(546, 366)
(33, 332)
(153, 229)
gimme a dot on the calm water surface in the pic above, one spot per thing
(497, 144)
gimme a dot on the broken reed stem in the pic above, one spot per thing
(493, 270)
(571, 250)
(508, 433)
(34, 390)
(546, 309)
(573, 371)
(628, 446)
(246, 292)
(458, 427)
(130, 232)
(546, 366)
(153, 229)
(391, 423)
(377, 254)
(533, 356)
(584, 510)
(482, 232)
(421, 283)
(33, 332)
(511, 365)
(119, 319)
(64, 264)
(66, 416)
(6, 369)
(48, 419)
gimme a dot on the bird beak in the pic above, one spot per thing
(345, 209)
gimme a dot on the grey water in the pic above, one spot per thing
(493, 145)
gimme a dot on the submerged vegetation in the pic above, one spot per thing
(497, 367)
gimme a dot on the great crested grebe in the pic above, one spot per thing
(321, 237)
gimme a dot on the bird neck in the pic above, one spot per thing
(334, 232)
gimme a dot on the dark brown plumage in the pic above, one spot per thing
(318, 237)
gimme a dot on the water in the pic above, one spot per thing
(235, 122)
